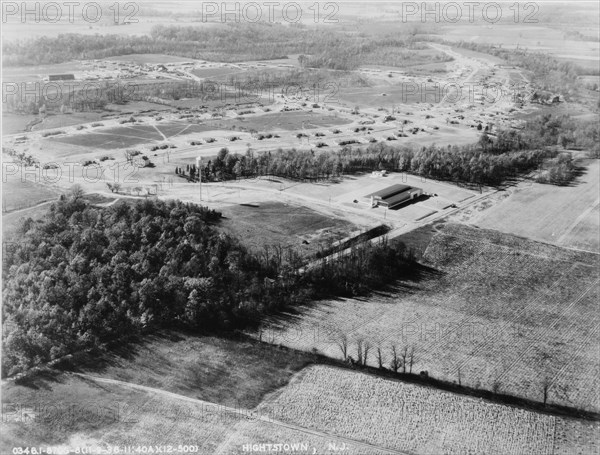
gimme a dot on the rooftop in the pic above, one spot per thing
(389, 191)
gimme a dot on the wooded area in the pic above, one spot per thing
(489, 162)
(87, 275)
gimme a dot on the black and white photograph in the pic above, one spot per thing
(300, 227)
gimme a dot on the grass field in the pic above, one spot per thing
(19, 194)
(129, 136)
(275, 223)
(12, 221)
(216, 72)
(223, 372)
(73, 413)
(565, 216)
(291, 121)
(222, 395)
(421, 420)
(149, 58)
(387, 95)
(495, 312)
(227, 372)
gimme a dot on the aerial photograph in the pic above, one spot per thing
(312, 228)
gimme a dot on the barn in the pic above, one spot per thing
(394, 195)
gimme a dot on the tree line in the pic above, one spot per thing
(228, 42)
(85, 275)
(548, 73)
(491, 161)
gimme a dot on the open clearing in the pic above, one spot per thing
(416, 419)
(563, 215)
(290, 121)
(533, 37)
(149, 58)
(19, 192)
(500, 311)
(227, 372)
(285, 225)
(128, 136)
(130, 399)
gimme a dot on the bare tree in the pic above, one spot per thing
(459, 377)
(546, 384)
(76, 192)
(379, 357)
(342, 342)
(411, 359)
(116, 187)
(359, 351)
(496, 384)
(395, 362)
(366, 349)
(404, 355)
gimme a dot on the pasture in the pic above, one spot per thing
(420, 420)
(493, 311)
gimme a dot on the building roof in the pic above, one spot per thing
(390, 191)
(397, 199)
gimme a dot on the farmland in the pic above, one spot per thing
(193, 255)
(415, 419)
(497, 312)
(222, 372)
(566, 215)
(72, 412)
(541, 38)
(123, 137)
(119, 397)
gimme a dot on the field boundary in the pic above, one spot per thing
(248, 414)
(411, 378)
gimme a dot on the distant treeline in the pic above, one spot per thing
(491, 161)
(86, 275)
(227, 43)
(548, 73)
